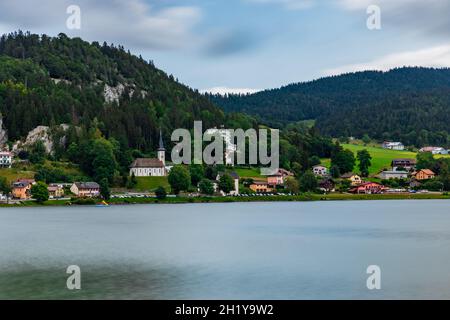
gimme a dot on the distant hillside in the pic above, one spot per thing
(54, 80)
(408, 104)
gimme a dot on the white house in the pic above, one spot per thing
(393, 145)
(5, 159)
(151, 167)
(434, 150)
(320, 170)
(235, 177)
(230, 147)
(387, 175)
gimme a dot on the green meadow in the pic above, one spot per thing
(381, 158)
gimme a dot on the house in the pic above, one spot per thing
(393, 145)
(320, 171)
(424, 174)
(85, 189)
(388, 175)
(369, 188)
(5, 159)
(235, 177)
(353, 178)
(434, 150)
(279, 177)
(55, 191)
(21, 189)
(327, 185)
(151, 167)
(406, 164)
(230, 147)
(260, 186)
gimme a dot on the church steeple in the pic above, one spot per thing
(161, 149)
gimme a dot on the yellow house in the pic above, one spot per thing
(260, 187)
(21, 189)
(354, 179)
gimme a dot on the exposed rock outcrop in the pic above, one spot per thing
(40, 133)
(3, 133)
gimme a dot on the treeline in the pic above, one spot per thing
(407, 104)
(53, 80)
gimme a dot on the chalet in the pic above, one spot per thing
(353, 178)
(21, 189)
(85, 189)
(260, 187)
(151, 167)
(55, 191)
(320, 171)
(406, 164)
(279, 177)
(393, 145)
(368, 188)
(235, 177)
(434, 150)
(424, 174)
(388, 175)
(5, 159)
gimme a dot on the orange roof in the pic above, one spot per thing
(428, 172)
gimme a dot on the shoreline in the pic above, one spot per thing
(187, 200)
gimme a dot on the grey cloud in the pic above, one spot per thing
(230, 42)
(131, 22)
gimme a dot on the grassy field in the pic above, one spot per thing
(14, 174)
(381, 158)
(248, 172)
(151, 183)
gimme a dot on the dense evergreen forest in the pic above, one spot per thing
(60, 80)
(407, 104)
(48, 81)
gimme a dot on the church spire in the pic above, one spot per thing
(161, 142)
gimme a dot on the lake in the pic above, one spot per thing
(292, 250)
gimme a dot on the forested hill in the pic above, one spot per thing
(54, 80)
(408, 104)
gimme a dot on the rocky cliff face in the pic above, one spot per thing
(40, 133)
(3, 134)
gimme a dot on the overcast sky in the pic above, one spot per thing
(247, 45)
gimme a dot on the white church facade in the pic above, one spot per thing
(151, 167)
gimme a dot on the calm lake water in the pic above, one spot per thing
(295, 250)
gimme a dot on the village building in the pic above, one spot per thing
(21, 189)
(260, 186)
(424, 174)
(5, 159)
(388, 175)
(393, 145)
(320, 171)
(151, 167)
(86, 189)
(434, 150)
(278, 179)
(369, 188)
(55, 191)
(403, 164)
(327, 185)
(353, 178)
(235, 177)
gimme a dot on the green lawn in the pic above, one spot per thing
(13, 174)
(151, 183)
(248, 172)
(381, 158)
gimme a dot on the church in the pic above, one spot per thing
(151, 167)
